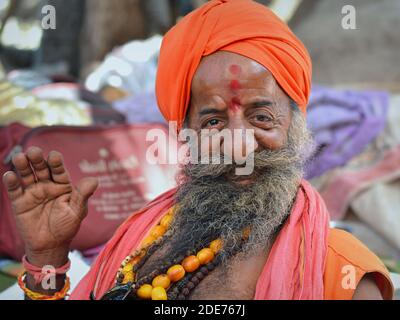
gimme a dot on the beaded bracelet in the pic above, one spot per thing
(60, 295)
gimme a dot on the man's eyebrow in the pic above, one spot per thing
(209, 111)
(262, 103)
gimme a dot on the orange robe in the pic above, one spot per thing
(346, 250)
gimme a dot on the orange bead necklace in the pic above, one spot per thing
(160, 284)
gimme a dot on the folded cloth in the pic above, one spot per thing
(343, 123)
(381, 202)
(141, 108)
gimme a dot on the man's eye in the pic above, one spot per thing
(262, 118)
(213, 122)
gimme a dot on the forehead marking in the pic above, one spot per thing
(235, 85)
(235, 104)
(235, 69)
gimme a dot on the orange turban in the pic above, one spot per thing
(239, 26)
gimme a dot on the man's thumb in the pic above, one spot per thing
(87, 186)
(83, 191)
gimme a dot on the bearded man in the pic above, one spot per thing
(218, 235)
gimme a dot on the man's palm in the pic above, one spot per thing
(48, 208)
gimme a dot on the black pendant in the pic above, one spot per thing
(120, 292)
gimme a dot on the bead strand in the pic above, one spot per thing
(149, 245)
(177, 272)
(178, 276)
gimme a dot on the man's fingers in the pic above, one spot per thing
(35, 156)
(57, 169)
(13, 185)
(23, 168)
(80, 195)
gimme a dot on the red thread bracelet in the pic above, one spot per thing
(39, 273)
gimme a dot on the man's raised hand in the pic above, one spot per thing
(48, 209)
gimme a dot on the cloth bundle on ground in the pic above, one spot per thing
(141, 108)
(369, 184)
(131, 68)
(99, 110)
(54, 104)
(343, 123)
(19, 105)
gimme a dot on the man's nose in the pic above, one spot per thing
(241, 144)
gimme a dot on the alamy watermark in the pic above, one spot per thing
(349, 280)
(349, 17)
(49, 278)
(49, 17)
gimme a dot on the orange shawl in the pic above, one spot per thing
(294, 268)
(239, 26)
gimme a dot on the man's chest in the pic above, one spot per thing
(235, 281)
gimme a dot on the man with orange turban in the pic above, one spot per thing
(230, 65)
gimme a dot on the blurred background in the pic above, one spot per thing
(79, 77)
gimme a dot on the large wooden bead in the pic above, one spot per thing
(176, 273)
(145, 291)
(191, 263)
(205, 255)
(159, 293)
(161, 281)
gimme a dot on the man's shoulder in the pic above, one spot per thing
(348, 261)
(344, 245)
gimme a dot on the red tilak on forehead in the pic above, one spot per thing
(235, 69)
(235, 85)
(235, 104)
